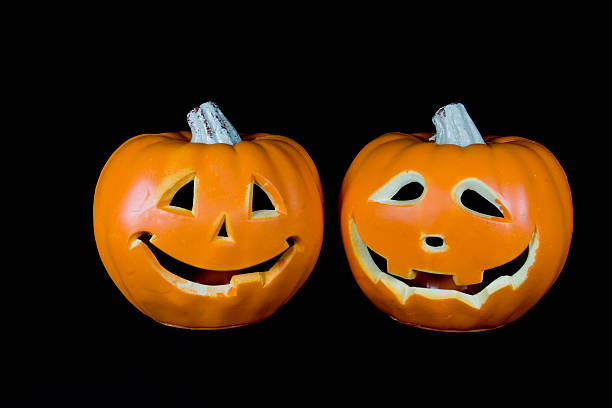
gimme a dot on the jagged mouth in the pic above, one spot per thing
(423, 279)
(441, 286)
(209, 277)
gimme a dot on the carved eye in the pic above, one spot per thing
(407, 188)
(181, 197)
(475, 202)
(478, 198)
(261, 200)
(261, 203)
(409, 192)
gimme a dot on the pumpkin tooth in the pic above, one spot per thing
(200, 288)
(432, 293)
(246, 279)
(457, 280)
(399, 289)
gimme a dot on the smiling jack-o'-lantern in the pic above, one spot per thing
(455, 232)
(204, 229)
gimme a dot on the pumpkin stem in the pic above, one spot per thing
(454, 126)
(209, 125)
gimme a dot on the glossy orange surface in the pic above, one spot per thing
(132, 197)
(532, 192)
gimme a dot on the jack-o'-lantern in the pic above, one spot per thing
(205, 229)
(454, 232)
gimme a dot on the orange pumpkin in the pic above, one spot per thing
(455, 232)
(204, 230)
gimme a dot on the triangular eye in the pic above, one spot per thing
(472, 200)
(410, 191)
(260, 200)
(183, 198)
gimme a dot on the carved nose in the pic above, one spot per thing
(222, 231)
(434, 243)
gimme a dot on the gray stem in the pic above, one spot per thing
(454, 126)
(209, 125)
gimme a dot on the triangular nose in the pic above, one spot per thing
(223, 229)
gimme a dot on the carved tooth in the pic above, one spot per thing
(498, 284)
(397, 287)
(448, 294)
(408, 291)
(263, 276)
(459, 283)
(246, 279)
(474, 301)
(201, 289)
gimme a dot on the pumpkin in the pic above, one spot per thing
(205, 229)
(455, 232)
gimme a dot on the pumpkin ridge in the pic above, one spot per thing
(286, 146)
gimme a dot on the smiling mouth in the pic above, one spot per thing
(209, 277)
(442, 286)
(424, 279)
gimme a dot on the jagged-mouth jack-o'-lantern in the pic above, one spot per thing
(205, 229)
(454, 232)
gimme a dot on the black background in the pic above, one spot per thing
(77, 338)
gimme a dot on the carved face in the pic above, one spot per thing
(208, 236)
(455, 238)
